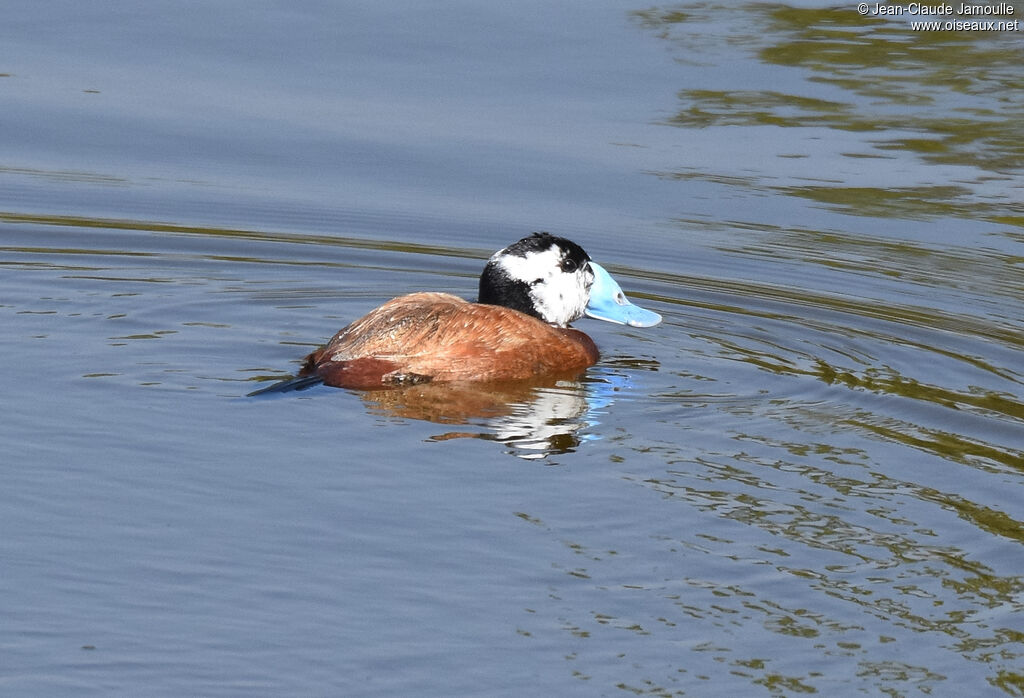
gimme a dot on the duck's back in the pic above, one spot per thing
(441, 337)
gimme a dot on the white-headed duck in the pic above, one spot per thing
(529, 293)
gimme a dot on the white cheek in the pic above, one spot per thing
(562, 299)
(559, 297)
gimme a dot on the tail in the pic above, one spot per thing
(290, 385)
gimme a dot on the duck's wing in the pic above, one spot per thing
(437, 336)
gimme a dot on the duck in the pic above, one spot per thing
(519, 327)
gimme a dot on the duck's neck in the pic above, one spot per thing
(498, 288)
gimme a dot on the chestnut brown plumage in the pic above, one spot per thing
(440, 337)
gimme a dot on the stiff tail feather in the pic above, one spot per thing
(290, 385)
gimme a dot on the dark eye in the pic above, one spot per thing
(569, 265)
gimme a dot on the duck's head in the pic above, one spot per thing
(554, 279)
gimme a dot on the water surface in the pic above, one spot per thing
(807, 479)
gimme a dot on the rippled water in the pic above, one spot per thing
(807, 479)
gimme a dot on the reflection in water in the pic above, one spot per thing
(946, 97)
(534, 418)
(873, 468)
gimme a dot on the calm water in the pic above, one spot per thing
(808, 479)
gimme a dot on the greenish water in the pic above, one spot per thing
(806, 480)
